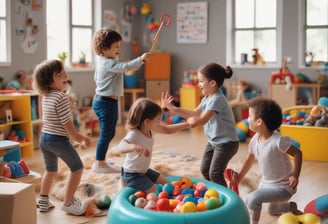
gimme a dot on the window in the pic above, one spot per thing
(5, 55)
(255, 25)
(70, 29)
(316, 31)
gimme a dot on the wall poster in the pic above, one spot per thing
(192, 22)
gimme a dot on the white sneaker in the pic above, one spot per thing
(107, 168)
(76, 207)
(44, 205)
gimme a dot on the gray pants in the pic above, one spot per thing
(215, 161)
(277, 198)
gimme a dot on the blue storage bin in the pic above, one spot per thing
(13, 151)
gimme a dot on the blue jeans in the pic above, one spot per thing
(106, 110)
(54, 147)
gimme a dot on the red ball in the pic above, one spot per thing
(140, 194)
(163, 194)
(163, 204)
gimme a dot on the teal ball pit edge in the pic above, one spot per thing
(232, 210)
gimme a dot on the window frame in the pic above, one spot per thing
(231, 36)
(7, 20)
(70, 26)
(302, 34)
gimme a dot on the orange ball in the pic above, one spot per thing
(201, 206)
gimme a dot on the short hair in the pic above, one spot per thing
(43, 75)
(142, 109)
(268, 110)
(216, 72)
(103, 39)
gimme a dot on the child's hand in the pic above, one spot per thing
(166, 100)
(141, 151)
(145, 57)
(293, 181)
(192, 121)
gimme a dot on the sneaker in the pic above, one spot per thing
(107, 168)
(76, 207)
(44, 205)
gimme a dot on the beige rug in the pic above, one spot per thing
(167, 163)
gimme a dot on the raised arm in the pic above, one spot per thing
(166, 101)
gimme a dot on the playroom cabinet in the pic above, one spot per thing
(158, 67)
(154, 89)
(290, 97)
(157, 75)
(15, 119)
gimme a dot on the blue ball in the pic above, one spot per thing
(241, 135)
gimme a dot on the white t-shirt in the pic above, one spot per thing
(133, 162)
(273, 160)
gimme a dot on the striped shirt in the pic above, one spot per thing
(56, 112)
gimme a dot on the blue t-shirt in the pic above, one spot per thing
(221, 127)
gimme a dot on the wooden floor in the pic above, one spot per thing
(313, 180)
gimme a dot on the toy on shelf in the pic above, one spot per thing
(257, 57)
(14, 169)
(283, 76)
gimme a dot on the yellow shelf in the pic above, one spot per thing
(20, 107)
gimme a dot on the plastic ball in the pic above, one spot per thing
(140, 194)
(151, 205)
(151, 196)
(163, 194)
(200, 186)
(104, 202)
(188, 207)
(180, 197)
(168, 188)
(163, 204)
(242, 125)
(211, 193)
(241, 135)
(140, 202)
(212, 203)
(201, 206)
(173, 203)
(132, 199)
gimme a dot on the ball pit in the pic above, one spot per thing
(231, 210)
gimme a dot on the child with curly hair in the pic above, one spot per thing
(273, 152)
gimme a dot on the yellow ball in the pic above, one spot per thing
(242, 126)
(211, 193)
(188, 207)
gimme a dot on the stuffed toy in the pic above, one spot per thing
(319, 114)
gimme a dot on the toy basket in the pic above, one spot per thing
(313, 140)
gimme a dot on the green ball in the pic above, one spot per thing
(212, 203)
(132, 199)
(104, 202)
